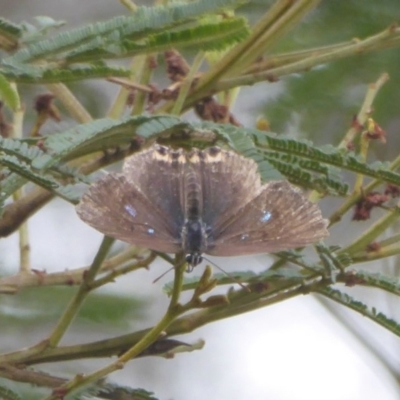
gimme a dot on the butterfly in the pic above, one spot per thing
(208, 201)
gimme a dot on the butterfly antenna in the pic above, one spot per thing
(232, 278)
(162, 275)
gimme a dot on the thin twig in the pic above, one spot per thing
(84, 289)
(71, 103)
(172, 312)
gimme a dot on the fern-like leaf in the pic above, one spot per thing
(9, 184)
(216, 36)
(23, 73)
(143, 21)
(110, 391)
(378, 280)
(9, 35)
(288, 154)
(102, 134)
(363, 309)
(44, 180)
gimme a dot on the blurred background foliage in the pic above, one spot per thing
(320, 104)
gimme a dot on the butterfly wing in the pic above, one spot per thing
(119, 209)
(158, 172)
(280, 217)
(228, 181)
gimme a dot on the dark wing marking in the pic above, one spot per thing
(117, 208)
(279, 218)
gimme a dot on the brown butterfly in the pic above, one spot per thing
(204, 201)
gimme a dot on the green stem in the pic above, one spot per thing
(146, 73)
(187, 83)
(119, 104)
(383, 252)
(70, 102)
(173, 311)
(371, 233)
(271, 31)
(84, 289)
(24, 247)
(301, 65)
(230, 59)
(110, 276)
(365, 110)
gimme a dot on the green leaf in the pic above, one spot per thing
(102, 134)
(46, 181)
(23, 73)
(20, 149)
(288, 155)
(216, 36)
(378, 280)
(9, 35)
(8, 394)
(104, 390)
(10, 29)
(8, 94)
(23, 169)
(371, 313)
(144, 21)
(9, 185)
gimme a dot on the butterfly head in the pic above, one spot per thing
(193, 259)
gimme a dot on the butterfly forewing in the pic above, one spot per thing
(278, 218)
(159, 173)
(117, 208)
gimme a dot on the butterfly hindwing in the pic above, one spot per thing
(278, 218)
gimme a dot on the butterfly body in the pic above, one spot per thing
(204, 201)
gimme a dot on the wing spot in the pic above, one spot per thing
(151, 231)
(245, 236)
(266, 216)
(130, 210)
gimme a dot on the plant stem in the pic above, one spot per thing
(361, 119)
(187, 83)
(84, 289)
(71, 103)
(365, 110)
(371, 233)
(120, 102)
(174, 310)
(24, 247)
(144, 78)
(383, 252)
